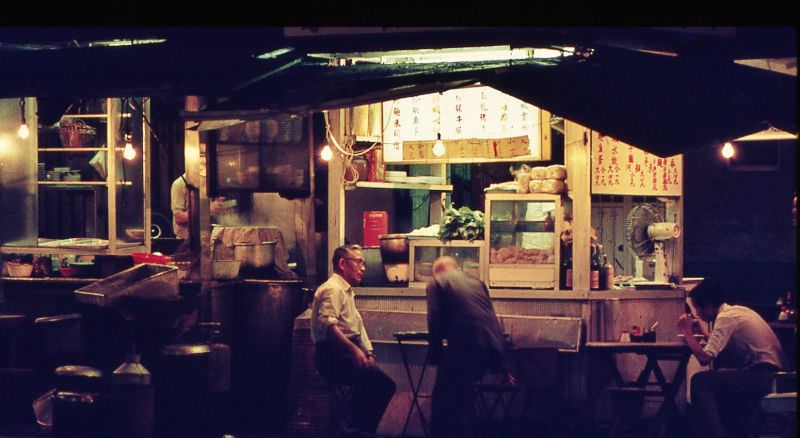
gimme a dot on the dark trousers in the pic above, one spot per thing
(372, 388)
(453, 410)
(726, 397)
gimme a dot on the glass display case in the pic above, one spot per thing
(471, 257)
(523, 239)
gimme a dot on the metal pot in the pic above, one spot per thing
(261, 255)
(394, 248)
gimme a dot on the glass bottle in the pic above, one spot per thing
(566, 269)
(594, 273)
(607, 271)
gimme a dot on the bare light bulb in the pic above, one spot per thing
(129, 152)
(728, 151)
(327, 153)
(438, 147)
(23, 131)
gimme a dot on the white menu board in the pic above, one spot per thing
(460, 114)
(621, 169)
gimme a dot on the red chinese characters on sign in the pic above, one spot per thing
(642, 174)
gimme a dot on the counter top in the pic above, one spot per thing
(593, 295)
(50, 279)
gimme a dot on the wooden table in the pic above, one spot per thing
(654, 351)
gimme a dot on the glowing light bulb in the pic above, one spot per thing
(438, 147)
(23, 131)
(129, 152)
(327, 153)
(728, 151)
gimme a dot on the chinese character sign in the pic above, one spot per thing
(622, 169)
(461, 114)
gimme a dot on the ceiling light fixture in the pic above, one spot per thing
(23, 132)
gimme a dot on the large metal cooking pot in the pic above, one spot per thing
(261, 255)
(394, 248)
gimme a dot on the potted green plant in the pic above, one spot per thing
(461, 224)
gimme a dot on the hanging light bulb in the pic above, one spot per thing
(728, 151)
(23, 132)
(438, 147)
(129, 152)
(327, 153)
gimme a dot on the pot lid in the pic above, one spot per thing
(78, 371)
(393, 236)
(185, 349)
(58, 318)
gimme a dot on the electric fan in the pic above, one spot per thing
(646, 233)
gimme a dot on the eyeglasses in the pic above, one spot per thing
(359, 262)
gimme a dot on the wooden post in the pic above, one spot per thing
(675, 214)
(577, 150)
(336, 212)
(196, 175)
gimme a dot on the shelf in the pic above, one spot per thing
(466, 160)
(91, 116)
(81, 183)
(40, 250)
(58, 149)
(405, 186)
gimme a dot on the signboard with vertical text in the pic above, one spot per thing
(462, 117)
(621, 169)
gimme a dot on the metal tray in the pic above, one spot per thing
(145, 281)
(77, 243)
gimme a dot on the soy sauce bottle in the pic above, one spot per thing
(594, 273)
(565, 270)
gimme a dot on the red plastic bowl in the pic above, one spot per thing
(143, 257)
(69, 271)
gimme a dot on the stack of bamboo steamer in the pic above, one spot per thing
(550, 179)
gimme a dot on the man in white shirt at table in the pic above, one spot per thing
(724, 394)
(343, 352)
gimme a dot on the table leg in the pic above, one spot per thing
(668, 408)
(414, 392)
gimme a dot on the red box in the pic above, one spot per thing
(375, 224)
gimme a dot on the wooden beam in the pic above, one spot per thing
(336, 212)
(577, 150)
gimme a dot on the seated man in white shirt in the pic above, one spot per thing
(343, 352)
(742, 333)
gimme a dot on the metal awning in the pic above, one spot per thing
(664, 105)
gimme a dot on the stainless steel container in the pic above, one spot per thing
(261, 255)
(182, 399)
(148, 281)
(78, 406)
(258, 316)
